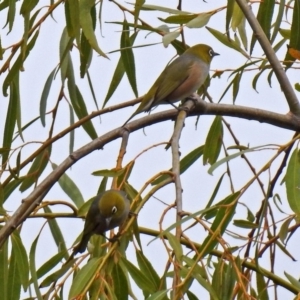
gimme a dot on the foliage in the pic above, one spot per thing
(248, 209)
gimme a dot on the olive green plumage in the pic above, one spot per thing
(109, 210)
(179, 79)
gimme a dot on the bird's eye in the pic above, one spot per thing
(114, 209)
(211, 52)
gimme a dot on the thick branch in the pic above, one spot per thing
(288, 121)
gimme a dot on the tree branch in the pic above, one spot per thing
(288, 121)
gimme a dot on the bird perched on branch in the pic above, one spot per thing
(109, 210)
(179, 79)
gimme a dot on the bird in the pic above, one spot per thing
(179, 79)
(108, 210)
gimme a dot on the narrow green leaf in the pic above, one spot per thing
(262, 288)
(14, 70)
(11, 14)
(18, 100)
(147, 268)
(86, 55)
(28, 6)
(236, 85)
(200, 21)
(21, 258)
(220, 223)
(175, 245)
(82, 112)
(137, 8)
(227, 41)
(82, 211)
(109, 173)
(244, 224)
(116, 79)
(50, 264)
(32, 267)
(213, 142)
(86, 23)
(10, 187)
(65, 62)
(160, 295)
(44, 97)
(165, 9)
(72, 18)
(14, 282)
(284, 229)
(230, 157)
(283, 248)
(292, 179)
(140, 279)
(58, 274)
(185, 163)
(243, 33)
(4, 270)
(128, 57)
(179, 19)
(264, 17)
(38, 166)
(278, 22)
(84, 277)
(11, 119)
(237, 16)
(118, 75)
(72, 133)
(70, 188)
(120, 284)
(203, 282)
(294, 281)
(56, 233)
(86, 51)
(170, 37)
(229, 13)
(295, 35)
(214, 194)
(79, 106)
(191, 296)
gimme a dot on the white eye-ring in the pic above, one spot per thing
(211, 52)
(114, 209)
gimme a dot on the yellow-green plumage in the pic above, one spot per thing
(109, 210)
(180, 79)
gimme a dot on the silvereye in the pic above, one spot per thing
(109, 210)
(179, 79)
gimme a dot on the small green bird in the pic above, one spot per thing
(180, 79)
(109, 210)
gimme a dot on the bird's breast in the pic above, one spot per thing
(196, 75)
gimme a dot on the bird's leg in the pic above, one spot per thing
(174, 105)
(194, 97)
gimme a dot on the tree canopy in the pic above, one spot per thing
(214, 183)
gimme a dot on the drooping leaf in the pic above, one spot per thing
(264, 17)
(38, 166)
(128, 57)
(213, 142)
(21, 258)
(292, 179)
(86, 23)
(295, 35)
(70, 188)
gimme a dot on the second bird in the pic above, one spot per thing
(179, 79)
(109, 210)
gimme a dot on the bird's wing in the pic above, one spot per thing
(175, 74)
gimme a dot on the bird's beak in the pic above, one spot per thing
(107, 221)
(215, 54)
